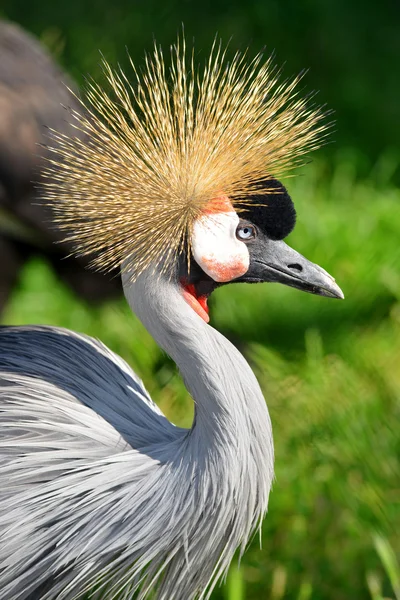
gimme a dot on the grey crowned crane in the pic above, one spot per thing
(174, 178)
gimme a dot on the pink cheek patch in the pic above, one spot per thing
(215, 246)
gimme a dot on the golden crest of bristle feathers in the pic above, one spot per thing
(164, 143)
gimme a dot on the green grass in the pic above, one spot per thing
(331, 377)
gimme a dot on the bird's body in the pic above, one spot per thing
(110, 460)
(99, 491)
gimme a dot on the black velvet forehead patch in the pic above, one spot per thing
(272, 212)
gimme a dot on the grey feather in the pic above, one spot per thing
(98, 489)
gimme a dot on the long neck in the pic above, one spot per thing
(229, 406)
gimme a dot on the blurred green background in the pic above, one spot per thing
(330, 370)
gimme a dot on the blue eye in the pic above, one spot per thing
(245, 233)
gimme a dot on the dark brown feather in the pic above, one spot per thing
(33, 91)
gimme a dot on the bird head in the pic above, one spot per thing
(247, 247)
(178, 172)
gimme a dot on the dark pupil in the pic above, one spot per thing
(246, 230)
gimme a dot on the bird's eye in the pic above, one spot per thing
(245, 233)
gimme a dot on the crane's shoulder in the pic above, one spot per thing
(80, 370)
(28, 346)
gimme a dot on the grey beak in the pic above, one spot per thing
(275, 261)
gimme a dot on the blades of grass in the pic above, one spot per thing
(235, 588)
(374, 585)
(279, 580)
(389, 562)
(305, 590)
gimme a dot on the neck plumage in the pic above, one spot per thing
(223, 465)
(230, 410)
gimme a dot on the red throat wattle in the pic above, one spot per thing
(198, 303)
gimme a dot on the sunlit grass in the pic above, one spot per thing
(390, 564)
(331, 377)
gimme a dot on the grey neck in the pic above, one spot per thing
(229, 406)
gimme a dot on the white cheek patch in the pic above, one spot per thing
(216, 248)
